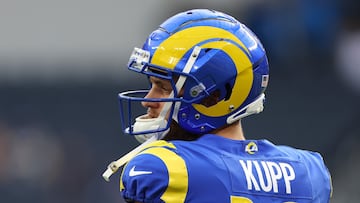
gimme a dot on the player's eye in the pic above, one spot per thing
(166, 89)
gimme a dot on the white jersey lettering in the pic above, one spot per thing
(268, 187)
(289, 175)
(275, 173)
(267, 175)
(250, 179)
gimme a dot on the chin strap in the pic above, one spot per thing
(115, 165)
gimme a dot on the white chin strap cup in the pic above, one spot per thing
(145, 124)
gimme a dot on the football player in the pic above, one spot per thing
(207, 71)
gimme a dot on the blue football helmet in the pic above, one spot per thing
(200, 51)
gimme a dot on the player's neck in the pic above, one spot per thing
(233, 131)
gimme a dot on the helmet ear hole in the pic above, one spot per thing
(212, 99)
(215, 96)
(228, 91)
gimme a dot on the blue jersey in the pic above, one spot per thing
(216, 169)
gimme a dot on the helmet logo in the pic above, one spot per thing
(251, 148)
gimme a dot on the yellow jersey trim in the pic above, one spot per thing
(178, 177)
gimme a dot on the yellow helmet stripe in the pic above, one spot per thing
(171, 50)
(243, 81)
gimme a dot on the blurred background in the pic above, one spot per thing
(62, 64)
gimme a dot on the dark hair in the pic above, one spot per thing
(178, 133)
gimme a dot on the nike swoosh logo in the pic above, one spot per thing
(132, 172)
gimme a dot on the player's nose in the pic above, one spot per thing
(150, 104)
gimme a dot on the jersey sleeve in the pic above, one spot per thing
(157, 174)
(319, 173)
(144, 179)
